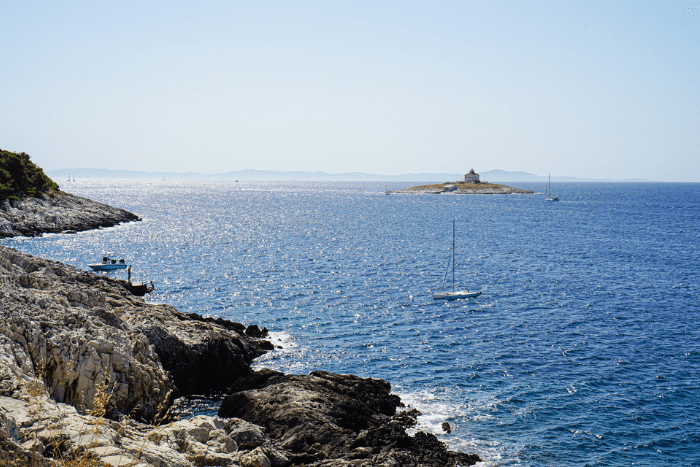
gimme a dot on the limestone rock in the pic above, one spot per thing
(83, 363)
(203, 356)
(57, 212)
(254, 458)
(323, 416)
(461, 187)
(52, 430)
(246, 435)
(91, 342)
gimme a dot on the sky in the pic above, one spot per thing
(594, 89)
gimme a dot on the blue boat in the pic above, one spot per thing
(108, 264)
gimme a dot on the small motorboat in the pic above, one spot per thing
(108, 264)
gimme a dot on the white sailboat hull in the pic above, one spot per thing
(548, 196)
(455, 295)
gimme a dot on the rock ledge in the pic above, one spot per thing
(57, 212)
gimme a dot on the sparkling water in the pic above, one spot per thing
(583, 348)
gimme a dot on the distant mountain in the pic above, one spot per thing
(254, 174)
(251, 174)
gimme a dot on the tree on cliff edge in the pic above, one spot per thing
(20, 177)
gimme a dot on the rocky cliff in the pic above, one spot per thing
(88, 373)
(327, 419)
(57, 212)
(31, 203)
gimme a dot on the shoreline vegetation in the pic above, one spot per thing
(461, 187)
(31, 204)
(20, 177)
(89, 374)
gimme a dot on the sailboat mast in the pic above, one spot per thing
(453, 255)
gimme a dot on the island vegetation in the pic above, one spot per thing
(461, 187)
(31, 203)
(20, 177)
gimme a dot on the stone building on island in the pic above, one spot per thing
(472, 177)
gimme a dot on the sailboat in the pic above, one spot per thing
(454, 295)
(548, 196)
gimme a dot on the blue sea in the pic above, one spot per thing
(583, 349)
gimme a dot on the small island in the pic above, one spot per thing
(470, 185)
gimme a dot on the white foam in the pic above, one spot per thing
(288, 356)
(436, 409)
(282, 340)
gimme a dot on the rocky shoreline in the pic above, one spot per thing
(56, 212)
(463, 188)
(89, 372)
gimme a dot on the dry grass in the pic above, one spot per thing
(59, 451)
(163, 418)
(459, 185)
(67, 455)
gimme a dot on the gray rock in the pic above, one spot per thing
(246, 435)
(203, 356)
(83, 363)
(85, 337)
(323, 418)
(57, 212)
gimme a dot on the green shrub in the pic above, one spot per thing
(20, 177)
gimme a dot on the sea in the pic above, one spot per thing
(583, 348)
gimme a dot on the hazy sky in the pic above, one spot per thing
(600, 89)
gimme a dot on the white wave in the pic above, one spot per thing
(281, 339)
(436, 409)
(288, 356)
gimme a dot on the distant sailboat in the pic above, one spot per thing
(548, 196)
(454, 295)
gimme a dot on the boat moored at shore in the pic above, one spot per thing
(108, 264)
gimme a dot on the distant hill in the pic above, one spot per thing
(254, 174)
(251, 174)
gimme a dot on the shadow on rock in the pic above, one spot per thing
(326, 416)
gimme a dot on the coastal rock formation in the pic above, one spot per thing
(57, 212)
(37, 430)
(329, 419)
(89, 371)
(77, 332)
(203, 355)
(461, 188)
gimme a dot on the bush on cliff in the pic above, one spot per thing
(20, 177)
